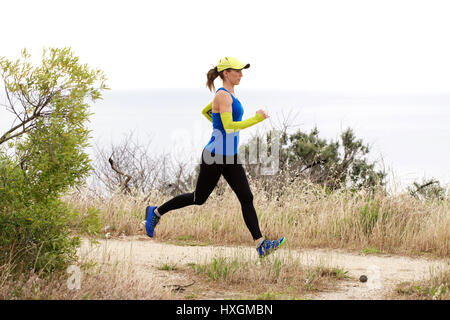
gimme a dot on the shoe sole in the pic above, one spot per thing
(146, 213)
(143, 222)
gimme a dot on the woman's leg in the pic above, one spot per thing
(207, 180)
(234, 174)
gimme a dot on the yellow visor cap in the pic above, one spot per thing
(231, 63)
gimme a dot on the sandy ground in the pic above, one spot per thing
(383, 271)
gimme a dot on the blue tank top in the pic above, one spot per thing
(221, 142)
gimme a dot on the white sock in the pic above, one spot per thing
(260, 243)
(156, 212)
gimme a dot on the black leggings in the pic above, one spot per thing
(233, 172)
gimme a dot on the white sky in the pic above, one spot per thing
(338, 46)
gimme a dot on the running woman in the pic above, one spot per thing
(219, 156)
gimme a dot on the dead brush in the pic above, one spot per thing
(309, 216)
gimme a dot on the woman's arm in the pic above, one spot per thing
(207, 111)
(231, 126)
(225, 109)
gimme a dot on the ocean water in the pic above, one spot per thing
(408, 134)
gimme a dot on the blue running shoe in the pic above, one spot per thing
(151, 220)
(269, 246)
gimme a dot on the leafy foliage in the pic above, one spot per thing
(44, 155)
(333, 164)
(430, 189)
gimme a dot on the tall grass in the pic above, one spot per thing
(99, 281)
(307, 215)
(278, 277)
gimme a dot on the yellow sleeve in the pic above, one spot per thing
(207, 111)
(232, 126)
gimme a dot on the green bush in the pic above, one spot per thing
(86, 223)
(43, 156)
(33, 231)
(430, 189)
(333, 164)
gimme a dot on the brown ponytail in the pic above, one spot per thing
(211, 76)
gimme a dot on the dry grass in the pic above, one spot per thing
(436, 287)
(306, 215)
(269, 278)
(104, 281)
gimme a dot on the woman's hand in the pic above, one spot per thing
(263, 113)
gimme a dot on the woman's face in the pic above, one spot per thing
(234, 76)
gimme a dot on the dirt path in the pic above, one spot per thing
(383, 271)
